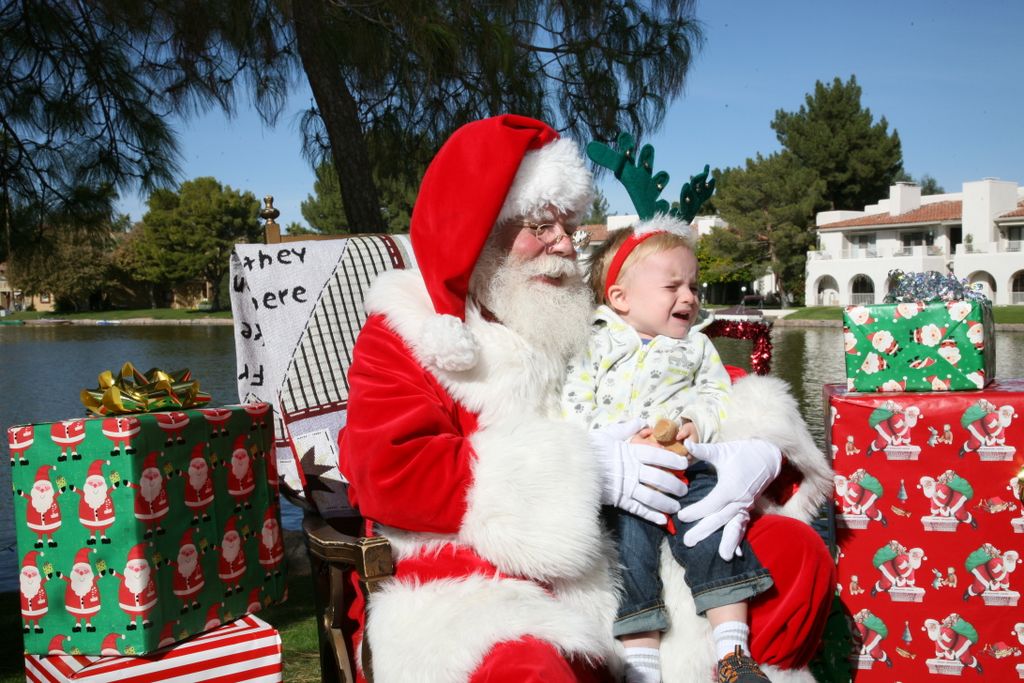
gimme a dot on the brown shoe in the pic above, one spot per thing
(737, 667)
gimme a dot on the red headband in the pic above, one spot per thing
(625, 249)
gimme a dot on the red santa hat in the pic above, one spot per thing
(150, 460)
(110, 643)
(43, 473)
(213, 616)
(56, 646)
(197, 452)
(240, 443)
(271, 513)
(187, 538)
(96, 468)
(31, 558)
(254, 600)
(230, 524)
(138, 552)
(487, 172)
(82, 556)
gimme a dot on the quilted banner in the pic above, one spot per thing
(930, 530)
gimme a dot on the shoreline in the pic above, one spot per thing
(776, 320)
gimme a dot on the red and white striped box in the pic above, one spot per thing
(245, 650)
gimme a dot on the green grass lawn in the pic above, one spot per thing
(156, 313)
(1001, 314)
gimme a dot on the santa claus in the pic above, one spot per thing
(151, 504)
(42, 515)
(231, 567)
(255, 604)
(188, 573)
(218, 419)
(213, 616)
(82, 594)
(34, 603)
(199, 485)
(258, 413)
(461, 362)
(990, 570)
(137, 594)
(240, 476)
(121, 430)
(95, 507)
(56, 646)
(68, 435)
(19, 440)
(271, 547)
(172, 423)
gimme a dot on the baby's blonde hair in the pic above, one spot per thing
(601, 260)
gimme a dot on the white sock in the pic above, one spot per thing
(730, 634)
(643, 665)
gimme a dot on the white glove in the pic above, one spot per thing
(745, 468)
(629, 471)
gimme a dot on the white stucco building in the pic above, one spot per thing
(977, 234)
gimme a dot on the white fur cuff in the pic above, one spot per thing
(445, 342)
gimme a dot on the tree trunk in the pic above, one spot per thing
(340, 116)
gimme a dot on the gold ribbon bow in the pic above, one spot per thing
(133, 392)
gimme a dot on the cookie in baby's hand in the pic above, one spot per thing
(664, 432)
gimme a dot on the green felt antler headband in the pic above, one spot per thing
(644, 185)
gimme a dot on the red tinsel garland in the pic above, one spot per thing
(757, 331)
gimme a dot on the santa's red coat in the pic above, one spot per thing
(82, 606)
(96, 519)
(140, 603)
(36, 606)
(231, 570)
(509, 492)
(187, 587)
(239, 487)
(199, 498)
(151, 510)
(43, 523)
(271, 555)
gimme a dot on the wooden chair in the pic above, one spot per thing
(337, 546)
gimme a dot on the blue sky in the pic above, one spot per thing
(946, 75)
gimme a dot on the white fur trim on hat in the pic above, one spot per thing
(553, 176)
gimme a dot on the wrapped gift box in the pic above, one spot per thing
(930, 530)
(136, 524)
(245, 650)
(918, 346)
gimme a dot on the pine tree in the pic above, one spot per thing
(838, 138)
(901, 495)
(769, 206)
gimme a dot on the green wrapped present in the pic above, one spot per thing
(150, 526)
(919, 346)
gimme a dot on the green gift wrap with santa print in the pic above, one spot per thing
(919, 346)
(136, 531)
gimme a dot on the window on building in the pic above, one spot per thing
(861, 246)
(1015, 238)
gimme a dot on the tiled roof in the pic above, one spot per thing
(598, 231)
(1016, 213)
(928, 213)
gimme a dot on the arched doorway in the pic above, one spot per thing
(1017, 288)
(862, 290)
(827, 291)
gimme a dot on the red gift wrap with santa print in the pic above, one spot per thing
(930, 530)
(138, 530)
(919, 346)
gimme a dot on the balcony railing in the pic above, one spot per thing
(868, 298)
(1017, 297)
(819, 256)
(1014, 245)
(860, 252)
(919, 250)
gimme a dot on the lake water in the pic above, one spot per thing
(43, 369)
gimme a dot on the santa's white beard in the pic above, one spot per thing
(81, 584)
(197, 477)
(239, 466)
(42, 500)
(554, 319)
(30, 584)
(136, 581)
(187, 563)
(269, 535)
(150, 486)
(230, 548)
(95, 495)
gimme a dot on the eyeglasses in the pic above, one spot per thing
(551, 234)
